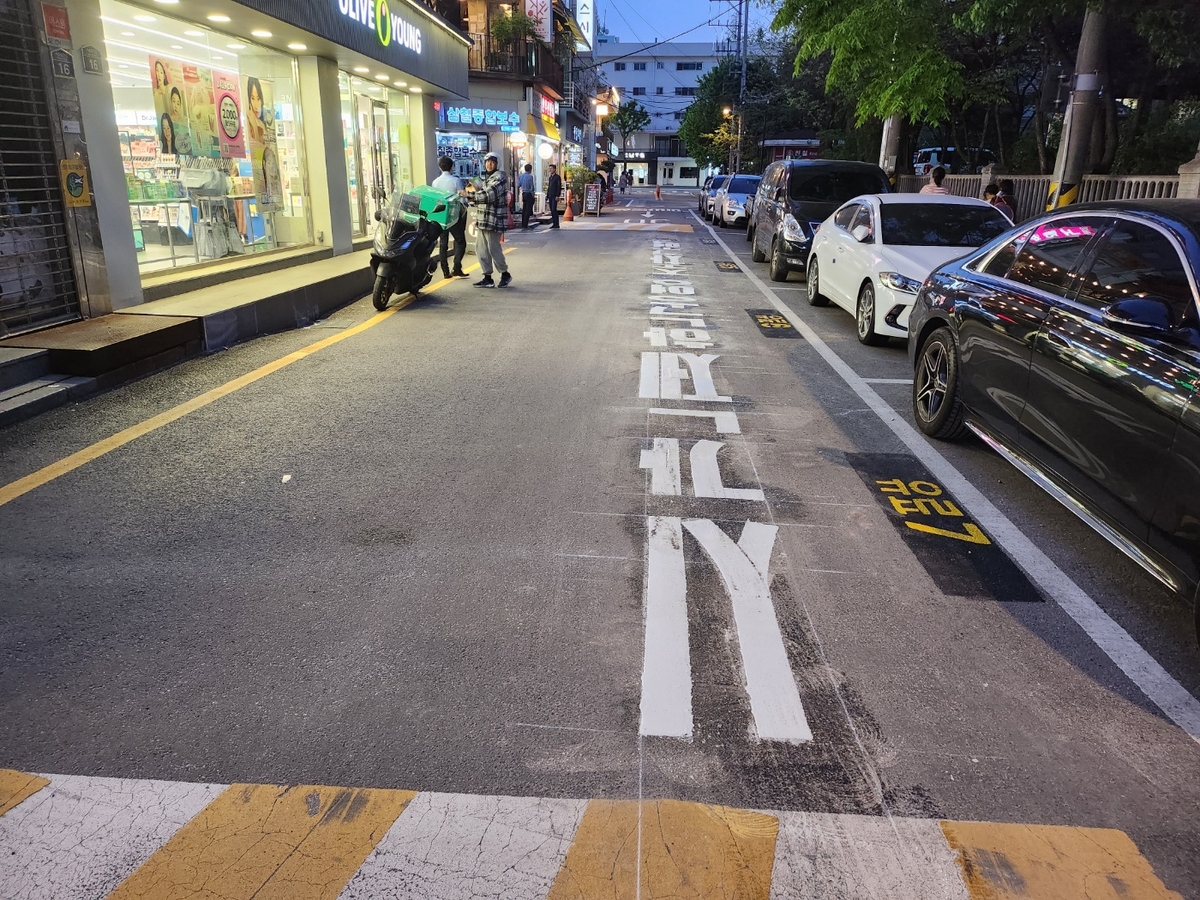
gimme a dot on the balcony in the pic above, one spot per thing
(525, 60)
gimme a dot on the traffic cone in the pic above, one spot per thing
(568, 216)
(658, 192)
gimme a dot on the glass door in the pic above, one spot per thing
(374, 155)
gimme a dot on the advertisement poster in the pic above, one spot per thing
(227, 96)
(260, 137)
(170, 106)
(202, 111)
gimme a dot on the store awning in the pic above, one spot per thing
(538, 125)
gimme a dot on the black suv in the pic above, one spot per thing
(794, 197)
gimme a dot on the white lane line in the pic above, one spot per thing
(726, 422)
(1117, 644)
(774, 698)
(457, 847)
(666, 667)
(888, 380)
(81, 837)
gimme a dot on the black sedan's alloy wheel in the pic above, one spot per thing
(936, 404)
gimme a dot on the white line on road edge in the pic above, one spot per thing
(1140, 667)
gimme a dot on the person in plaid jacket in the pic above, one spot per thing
(492, 199)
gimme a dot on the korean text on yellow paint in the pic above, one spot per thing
(924, 498)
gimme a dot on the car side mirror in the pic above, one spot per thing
(861, 233)
(1148, 314)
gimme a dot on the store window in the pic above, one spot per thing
(213, 156)
(378, 139)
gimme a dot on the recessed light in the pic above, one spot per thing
(382, 77)
(195, 33)
(167, 2)
(236, 46)
(361, 69)
(400, 84)
(297, 46)
(414, 90)
(177, 46)
(217, 17)
(144, 18)
(261, 32)
(128, 34)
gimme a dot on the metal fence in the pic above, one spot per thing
(524, 58)
(1128, 187)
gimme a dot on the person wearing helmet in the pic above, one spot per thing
(491, 196)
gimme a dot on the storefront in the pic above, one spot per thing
(251, 129)
(468, 130)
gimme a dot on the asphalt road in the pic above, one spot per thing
(427, 557)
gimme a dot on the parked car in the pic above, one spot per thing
(1072, 347)
(872, 255)
(708, 193)
(794, 197)
(952, 160)
(729, 204)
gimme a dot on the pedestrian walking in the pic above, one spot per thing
(490, 194)
(624, 181)
(992, 195)
(451, 185)
(526, 185)
(936, 177)
(553, 190)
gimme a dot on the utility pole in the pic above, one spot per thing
(1075, 146)
(743, 52)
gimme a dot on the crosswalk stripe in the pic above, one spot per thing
(16, 787)
(1013, 862)
(73, 837)
(688, 851)
(269, 842)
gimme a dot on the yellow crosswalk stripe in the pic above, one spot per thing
(18, 786)
(1052, 862)
(688, 851)
(269, 842)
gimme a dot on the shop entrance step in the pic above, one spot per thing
(116, 347)
(19, 365)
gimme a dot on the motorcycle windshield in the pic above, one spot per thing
(389, 227)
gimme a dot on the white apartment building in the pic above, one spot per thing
(661, 77)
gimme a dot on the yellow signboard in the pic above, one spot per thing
(76, 190)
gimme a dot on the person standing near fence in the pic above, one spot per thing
(992, 195)
(936, 177)
(491, 196)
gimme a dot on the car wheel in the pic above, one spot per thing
(865, 317)
(779, 269)
(815, 297)
(756, 254)
(749, 233)
(937, 407)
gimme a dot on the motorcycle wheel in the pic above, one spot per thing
(382, 293)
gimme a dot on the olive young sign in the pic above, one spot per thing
(398, 33)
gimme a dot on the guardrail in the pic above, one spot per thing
(1128, 187)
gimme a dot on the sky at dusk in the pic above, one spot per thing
(648, 20)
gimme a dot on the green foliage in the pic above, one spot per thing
(630, 118)
(507, 28)
(1168, 140)
(706, 134)
(575, 177)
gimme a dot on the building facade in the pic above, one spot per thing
(151, 143)
(662, 77)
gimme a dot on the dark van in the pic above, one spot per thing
(794, 197)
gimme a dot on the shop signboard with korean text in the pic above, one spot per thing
(541, 13)
(591, 199)
(585, 15)
(487, 116)
(394, 32)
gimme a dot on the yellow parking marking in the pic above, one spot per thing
(269, 842)
(1049, 862)
(972, 533)
(688, 851)
(34, 480)
(16, 787)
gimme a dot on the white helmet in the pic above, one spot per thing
(493, 156)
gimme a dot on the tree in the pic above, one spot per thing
(628, 120)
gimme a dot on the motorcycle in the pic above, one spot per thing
(405, 238)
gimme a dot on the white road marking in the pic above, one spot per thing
(81, 837)
(706, 475)
(458, 847)
(666, 709)
(888, 380)
(774, 698)
(1116, 643)
(663, 463)
(725, 421)
(668, 383)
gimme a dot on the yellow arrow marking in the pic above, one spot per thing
(973, 534)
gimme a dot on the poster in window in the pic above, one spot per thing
(202, 111)
(170, 106)
(260, 138)
(227, 95)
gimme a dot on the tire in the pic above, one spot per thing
(864, 317)
(815, 297)
(937, 407)
(749, 232)
(382, 293)
(779, 269)
(755, 253)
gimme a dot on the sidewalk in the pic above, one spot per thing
(44, 369)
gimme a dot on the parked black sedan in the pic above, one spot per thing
(1071, 345)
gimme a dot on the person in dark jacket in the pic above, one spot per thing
(553, 191)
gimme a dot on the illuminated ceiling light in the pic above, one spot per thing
(167, 2)
(414, 90)
(177, 46)
(260, 33)
(296, 45)
(128, 34)
(400, 83)
(383, 78)
(144, 18)
(361, 69)
(217, 17)
(236, 46)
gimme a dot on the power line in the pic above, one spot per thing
(669, 40)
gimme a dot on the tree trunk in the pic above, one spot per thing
(1039, 126)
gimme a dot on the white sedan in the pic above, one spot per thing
(872, 255)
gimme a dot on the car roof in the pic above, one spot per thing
(827, 164)
(941, 199)
(1184, 212)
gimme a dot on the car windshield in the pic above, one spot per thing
(743, 184)
(940, 224)
(834, 186)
